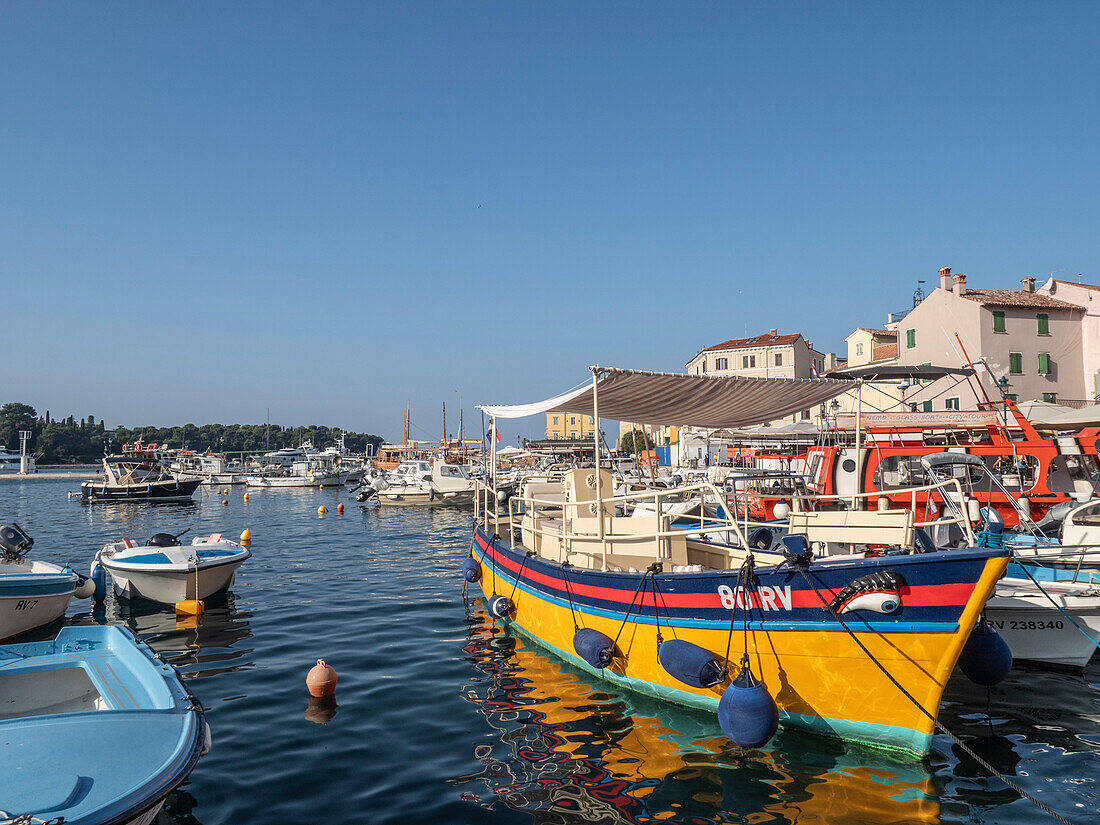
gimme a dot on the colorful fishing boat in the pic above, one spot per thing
(854, 646)
(93, 729)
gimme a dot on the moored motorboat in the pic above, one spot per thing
(163, 570)
(137, 476)
(854, 645)
(62, 702)
(32, 592)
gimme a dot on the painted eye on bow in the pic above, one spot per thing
(879, 602)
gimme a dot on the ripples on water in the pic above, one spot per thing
(444, 717)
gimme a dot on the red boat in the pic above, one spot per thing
(1041, 471)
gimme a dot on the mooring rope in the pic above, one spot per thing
(569, 595)
(935, 722)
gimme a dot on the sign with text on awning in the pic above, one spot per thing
(948, 419)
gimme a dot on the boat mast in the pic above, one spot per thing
(443, 438)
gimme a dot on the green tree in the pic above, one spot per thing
(628, 441)
(14, 417)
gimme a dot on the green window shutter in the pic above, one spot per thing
(998, 321)
(1044, 363)
(1012, 397)
(1015, 363)
(1050, 397)
(1044, 323)
(926, 406)
(910, 338)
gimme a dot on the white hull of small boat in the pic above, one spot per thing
(406, 495)
(172, 574)
(295, 481)
(212, 478)
(32, 594)
(1036, 630)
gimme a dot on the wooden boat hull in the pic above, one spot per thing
(820, 678)
(177, 490)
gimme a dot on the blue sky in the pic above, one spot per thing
(329, 209)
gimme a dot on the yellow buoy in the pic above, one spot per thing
(190, 607)
(320, 486)
(246, 496)
(322, 510)
(246, 536)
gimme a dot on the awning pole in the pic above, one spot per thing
(859, 442)
(596, 441)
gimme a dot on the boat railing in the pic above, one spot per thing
(736, 525)
(943, 487)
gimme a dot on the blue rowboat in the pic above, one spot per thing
(65, 704)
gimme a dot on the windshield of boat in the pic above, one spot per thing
(1018, 473)
(1073, 474)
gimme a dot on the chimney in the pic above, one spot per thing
(774, 332)
(960, 283)
(1029, 283)
(945, 278)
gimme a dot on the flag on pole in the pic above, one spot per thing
(493, 431)
(813, 371)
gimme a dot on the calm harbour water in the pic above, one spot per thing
(443, 717)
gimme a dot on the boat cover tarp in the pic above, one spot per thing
(691, 400)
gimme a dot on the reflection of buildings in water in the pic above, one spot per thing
(580, 750)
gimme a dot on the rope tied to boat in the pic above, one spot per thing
(569, 595)
(746, 578)
(935, 722)
(519, 575)
(638, 589)
(28, 819)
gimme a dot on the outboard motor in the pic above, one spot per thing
(163, 540)
(14, 542)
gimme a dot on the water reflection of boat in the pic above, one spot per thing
(566, 750)
(214, 643)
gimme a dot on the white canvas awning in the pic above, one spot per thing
(1069, 420)
(691, 400)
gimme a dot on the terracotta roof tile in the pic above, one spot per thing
(885, 351)
(1017, 298)
(765, 340)
(885, 333)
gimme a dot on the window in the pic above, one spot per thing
(951, 403)
(721, 364)
(910, 338)
(805, 415)
(1050, 397)
(999, 321)
(573, 420)
(555, 421)
(1015, 363)
(1043, 321)
(704, 366)
(573, 434)
(590, 420)
(926, 406)
(859, 349)
(1044, 363)
(779, 359)
(748, 362)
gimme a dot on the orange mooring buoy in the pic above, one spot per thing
(340, 509)
(225, 502)
(321, 679)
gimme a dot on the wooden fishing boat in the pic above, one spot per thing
(855, 646)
